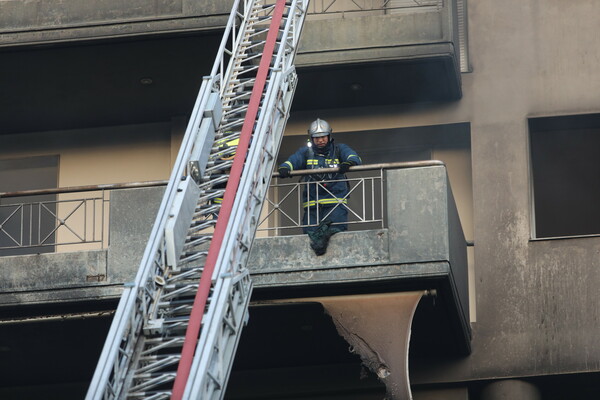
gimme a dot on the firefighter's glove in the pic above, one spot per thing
(345, 166)
(284, 172)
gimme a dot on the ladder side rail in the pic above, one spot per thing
(125, 326)
(211, 367)
(195, 320)
(124, 323)
(225, 318)
(236, 37)
(245, 218)
(293, 31)
(279, 92)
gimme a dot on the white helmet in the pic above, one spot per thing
(318, 128)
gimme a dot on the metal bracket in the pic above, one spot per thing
(180, 219)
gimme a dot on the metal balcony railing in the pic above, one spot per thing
(40, 223)
(37, 221)
(284, 204)
(365, 201)
(339, 8)
(378, 6)
(77, 216)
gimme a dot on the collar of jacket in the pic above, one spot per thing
(325, 151)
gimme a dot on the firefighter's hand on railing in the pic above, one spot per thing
(345, 166)
(284, 172)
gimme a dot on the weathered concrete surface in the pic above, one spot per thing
(385, 37)
(51, 271)
(513, 389)
(384, 351)
(460, 393)
(418, 215)
(52, 277)
(424, 224)
(43, 21)
(345, 249)
(132, 214)
(86, 275)
(537, 306)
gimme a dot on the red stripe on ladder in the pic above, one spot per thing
(193, 330)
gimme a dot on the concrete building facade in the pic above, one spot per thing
(505, 94)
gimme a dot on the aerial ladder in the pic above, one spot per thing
(176, 328)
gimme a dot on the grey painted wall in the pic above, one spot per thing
(342, 40)
(536, 308)
(535, 314)
(41, 21)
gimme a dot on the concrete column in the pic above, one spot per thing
(512, 389)
(132, 215)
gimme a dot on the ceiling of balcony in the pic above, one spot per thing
(55, 358)
(153, 79)
(286, 350)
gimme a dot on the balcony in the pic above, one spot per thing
(378, 52)
(118, 63)
(405, 238)
(92, 240)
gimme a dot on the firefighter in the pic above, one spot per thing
(326, 195)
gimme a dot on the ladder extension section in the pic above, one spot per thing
(177, 326)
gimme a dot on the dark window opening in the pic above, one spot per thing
(565, 165)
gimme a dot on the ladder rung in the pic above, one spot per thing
(194, 241)
(179, 310)
(184, 273)
(153, 395)
(150, 381)
(157, 362)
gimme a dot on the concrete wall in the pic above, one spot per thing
(100, 155)
(345, 38)
(42, 21)
(94, 156)
(536, 300)
(535, 311)
(348, 38)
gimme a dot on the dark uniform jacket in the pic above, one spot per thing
(330, 156)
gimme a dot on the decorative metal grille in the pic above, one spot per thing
(72, 221)
(284, 208)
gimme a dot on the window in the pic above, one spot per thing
(565, 170)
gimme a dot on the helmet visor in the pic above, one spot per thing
(318, 134)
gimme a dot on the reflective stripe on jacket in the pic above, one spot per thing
(330, 157)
